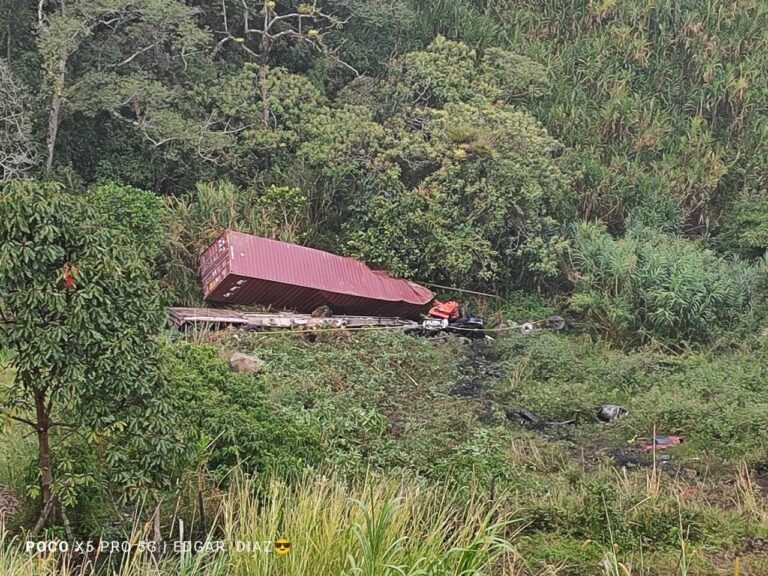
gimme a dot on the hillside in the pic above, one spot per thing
(600, 160)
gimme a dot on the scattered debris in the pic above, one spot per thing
(634, 457)
(449, 317)
(527, 328)
(662, 442)
(183, 318)
(479, 369)
(525, 415)
(323, 311)
(608, 412)
(550, 323)
(240, 362)
(534, 420)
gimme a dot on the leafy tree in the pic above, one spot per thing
(260, 20)
(16, 29)
(479, 195)
(136, 215)
(377, 30)
(118, 56)
(80, 315)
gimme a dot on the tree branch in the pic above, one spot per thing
(332, 55)
(220, 44)
(245, 14)
(63, 425)
(17, 418)
(251, 52)
(134, 55)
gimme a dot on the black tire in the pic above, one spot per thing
(556, 323)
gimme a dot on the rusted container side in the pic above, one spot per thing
(243, 269)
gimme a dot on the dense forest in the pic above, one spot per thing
(605, 160)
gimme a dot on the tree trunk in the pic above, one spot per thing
(8, 42)
(44, 448)
(265, 110)
(55, 109)
(265, 47)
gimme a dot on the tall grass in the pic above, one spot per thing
(377, 527)
(18, 446)
(16, 443)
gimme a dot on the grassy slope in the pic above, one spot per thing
(394, 405)
(15, 443)
(394, 402)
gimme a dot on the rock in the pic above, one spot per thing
(689, 473)
(240, 362)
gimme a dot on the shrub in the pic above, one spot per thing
(135, 214)
(236, 420)
(745, 229)
(652, 287)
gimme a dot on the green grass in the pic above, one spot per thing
(16, 443)
(389, 403)
(418, 433)
(375, 527)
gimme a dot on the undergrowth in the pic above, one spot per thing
(443, 419)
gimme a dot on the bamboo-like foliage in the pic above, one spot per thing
(652, 287)
(666, 95)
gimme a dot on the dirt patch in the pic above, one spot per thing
(479, 370)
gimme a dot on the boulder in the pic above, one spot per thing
(240, 362)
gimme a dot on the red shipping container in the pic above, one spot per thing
(244, 269)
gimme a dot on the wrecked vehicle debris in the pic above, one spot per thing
(609, 412)
(449, 317)
(531, 326)
(183, 318)
(662, 442)
(528, 417)
(244, 269)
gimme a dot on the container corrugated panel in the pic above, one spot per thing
(244, 269)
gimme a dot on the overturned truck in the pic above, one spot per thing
(322, 289)
(243, 269)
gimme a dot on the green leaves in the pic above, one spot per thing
(85, 318)
(480, 196)
(136, 214)
(236, 413)
(651, 287)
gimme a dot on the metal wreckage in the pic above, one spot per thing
(303, 288)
